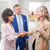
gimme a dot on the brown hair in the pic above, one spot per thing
(7, 12)
(44, 10)
(16, 5)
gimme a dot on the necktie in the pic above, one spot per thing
(20, 24)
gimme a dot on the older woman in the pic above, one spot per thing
(41, 32)
(7, 31)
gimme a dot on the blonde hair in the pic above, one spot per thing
(44, 11)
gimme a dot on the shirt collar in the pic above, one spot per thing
(18, 15)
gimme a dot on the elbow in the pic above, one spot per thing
(47, 38)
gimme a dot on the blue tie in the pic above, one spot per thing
(20, 24)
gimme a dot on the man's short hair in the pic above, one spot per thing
(16, 5)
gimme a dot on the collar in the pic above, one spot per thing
(18, 15)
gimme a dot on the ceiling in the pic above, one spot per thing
(39, 0)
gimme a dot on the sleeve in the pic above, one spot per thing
(6, 34)
(26, 37)
(46, 34)
(30, 33)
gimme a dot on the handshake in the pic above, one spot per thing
(23, 33)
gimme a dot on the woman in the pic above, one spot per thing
(41, 31)
(7, 31)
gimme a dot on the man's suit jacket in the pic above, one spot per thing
(15, 24)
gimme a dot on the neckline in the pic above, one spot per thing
(10, 26)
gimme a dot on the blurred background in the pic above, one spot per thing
(28, 8)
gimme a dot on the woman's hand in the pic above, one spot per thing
(23, 33)
(41, 25)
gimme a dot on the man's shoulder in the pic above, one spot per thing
(23, 15)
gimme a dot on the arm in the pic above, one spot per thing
(34, 30)
(45, 34)
(29, 33)
(6, 34)
(13, 37)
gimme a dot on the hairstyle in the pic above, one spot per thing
(44, 11)
(7, 12)
(16, 5)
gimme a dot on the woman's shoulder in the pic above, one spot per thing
(47, 23)
(3, 25)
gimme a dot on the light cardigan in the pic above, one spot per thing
(7, 37)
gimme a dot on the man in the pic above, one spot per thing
(20, 25)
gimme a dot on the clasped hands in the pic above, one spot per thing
(22, 33)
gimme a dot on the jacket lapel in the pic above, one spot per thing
(15, 22)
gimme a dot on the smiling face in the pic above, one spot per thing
(39, 13)
(10, 18)
(17, 10)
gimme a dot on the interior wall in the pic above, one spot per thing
(47, 4)
(2, 7)
(38, 0)
(24, 6)
(12, 3)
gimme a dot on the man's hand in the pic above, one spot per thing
(24, 33)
